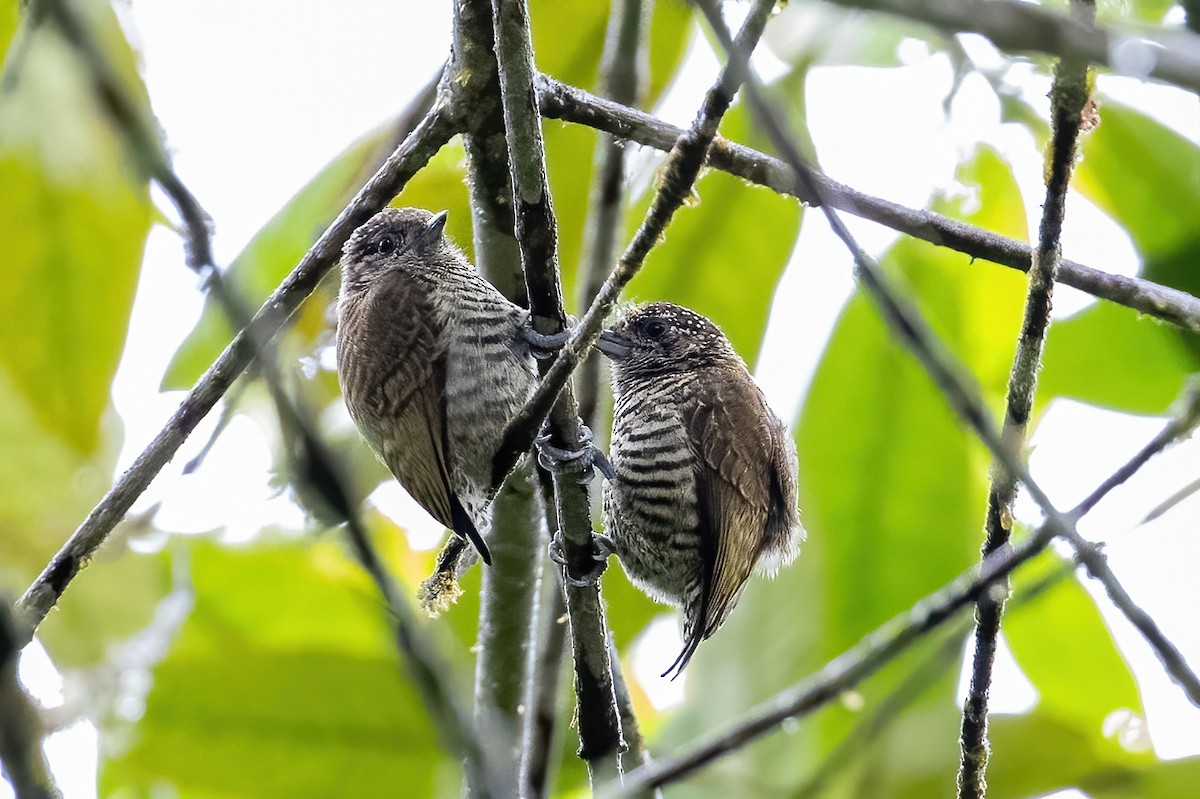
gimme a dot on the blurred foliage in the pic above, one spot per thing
(74, 215)
(269, 670)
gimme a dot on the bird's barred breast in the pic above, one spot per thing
(489, 376)
(650, 509)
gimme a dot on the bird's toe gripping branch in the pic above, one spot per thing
(581, 461)
(546, 345)
(602, 547)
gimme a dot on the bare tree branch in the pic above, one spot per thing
(542, 728)
(22, 761)
(1186, 418)
(537, 235)
(434, 130)
(621, 73)
(1069, 95)
(1170, 56)
(517, 536)
(560, 101)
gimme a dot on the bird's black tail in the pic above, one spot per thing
(462, 524)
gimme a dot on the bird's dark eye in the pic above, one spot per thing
(655, 329)
(386, 244)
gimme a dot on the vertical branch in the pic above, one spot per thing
(21, 759)
(622, 67)
(509, 587)
(1068, 97)
(541, 733)
(537, 236)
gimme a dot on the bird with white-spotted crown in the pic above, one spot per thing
(705, 473)
(433, 362)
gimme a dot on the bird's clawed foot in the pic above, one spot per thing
(546, 345)
(581, 461)
(602, 547)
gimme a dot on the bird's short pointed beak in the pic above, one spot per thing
(431, 232)
(614, 345)
(435, 226)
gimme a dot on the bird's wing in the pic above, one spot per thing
(414, 397)
(737, 492)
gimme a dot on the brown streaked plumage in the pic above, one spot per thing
(432, 361)
(705, 486)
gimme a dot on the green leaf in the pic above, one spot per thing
(803, 34)
(274, 252)
(74, 223)
(1147, 178)
(568, 41)
(1141, 367)
(1066, 650)
(10, 17)
(724, 255)
(568, 37)
(282, 682)
(670, 31)
(879, 446)
(48, 487)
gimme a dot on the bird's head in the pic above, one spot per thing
(408, 239)
(663, 338)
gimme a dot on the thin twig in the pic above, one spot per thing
(1169, 56)
(542, 733)
(1186, 418)
(1068, 96)
(843, 672)
(560, 101)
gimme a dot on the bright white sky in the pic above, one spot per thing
(256, 97)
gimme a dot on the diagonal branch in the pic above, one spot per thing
(434, 130)
(1068, 98)
(887, 641)
(1170, 56)
(560, 101)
